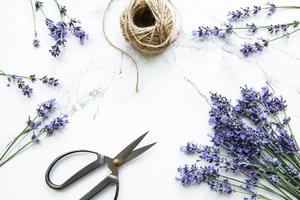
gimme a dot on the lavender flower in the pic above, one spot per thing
(33, 131)
(36, 43)
(189, 148)
(63, 10)
(59, 31)
(44, 109)
(56, 124)
(243, 13)
(272, 8)
(205, 31)
(249, 49)
(252, 28)
(38, 5)
(77, 31)
(248, 139)
(50, 81)
(25, 88)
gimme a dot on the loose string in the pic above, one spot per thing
(118, 48)
(148, 25)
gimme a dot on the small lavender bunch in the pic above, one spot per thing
(253, 150)
(23, 86)
(60, 30)
(35, 128)
(277, 31)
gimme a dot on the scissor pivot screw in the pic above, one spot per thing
(116, 162)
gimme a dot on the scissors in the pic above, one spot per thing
(113, 164)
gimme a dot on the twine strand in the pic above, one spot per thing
(118, 48)
(148, 25)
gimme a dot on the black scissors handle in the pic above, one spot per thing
(101, 160)
(111, 179)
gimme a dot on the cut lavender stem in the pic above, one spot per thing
(33, 131)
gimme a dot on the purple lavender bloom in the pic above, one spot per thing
(189, 148)
(34, 138)
(33, 78)
(36, 43)
(234, 15)
(296, 24)
(46, 108)
(286, 120)
(251, 27)
(32, 125)
(272, 8)
(56, 124)
(205, 31)
(202, 32)
(38, 5)
(256, 9)
(247, 139)
(249, 49)
(77, 31)
(50, 81)
(26, 89)
(221, 186)
(194, 175)
(63, 10)
(58, 32)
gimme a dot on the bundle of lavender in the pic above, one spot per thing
(35, 128)
(253, 151)
(276, 31)
(60, 30)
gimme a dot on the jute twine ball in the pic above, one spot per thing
(148, 25)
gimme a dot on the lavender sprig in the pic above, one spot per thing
(227, 29)
(23, 86)
(248, 139)
(244, 13)
(249, 49)
(60, 30)
(285, 29)
(34, 129)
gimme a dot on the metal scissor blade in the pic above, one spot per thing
(138, 152)
(128, 150)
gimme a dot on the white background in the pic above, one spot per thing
(97, 92)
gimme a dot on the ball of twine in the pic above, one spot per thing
(148, 25)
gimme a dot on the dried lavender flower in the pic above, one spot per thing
(285, 29)
(34, 130)
(248, 139)
(25, 88)
(60, 30)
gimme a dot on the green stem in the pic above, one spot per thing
(59, 9)
(263, 26)
(259, 185)
(22, 148)
(34, 20)
(283, 36)
(16, 139)
(290, 7)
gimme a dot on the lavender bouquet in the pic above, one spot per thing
(60, 30)
(19, 81)
(35, 128)
(276, 31)
(253, 151)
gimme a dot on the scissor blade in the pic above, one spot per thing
(128, 150)
(138, 152)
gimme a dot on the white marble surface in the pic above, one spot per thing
(97, 92)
